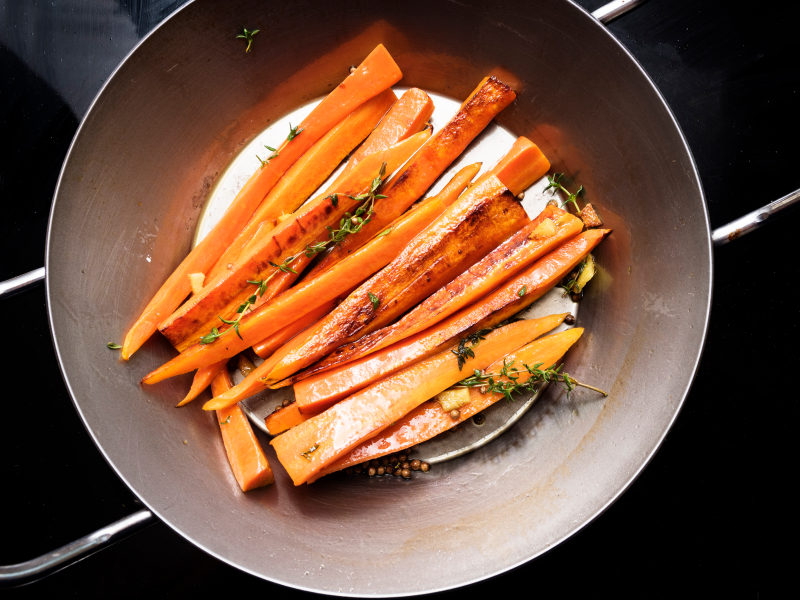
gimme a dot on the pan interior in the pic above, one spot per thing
(489, 147)
(176, 114)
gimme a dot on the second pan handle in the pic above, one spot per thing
(752, 220)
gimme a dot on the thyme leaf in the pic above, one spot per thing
(226, 421)
(307, 453)
(248, 35)
(374, 299)
(294, 132)
(522, 291)
(113, 346)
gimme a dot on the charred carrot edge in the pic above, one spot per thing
(267, 346)
(284, 419)
(312, 292)
(249, 465)
(308, 173)
(463, 235)
(488, 99)
(222, 296)
(202, 379)
(311, 446)
(317, 393)
(501, 304)
(377, 73)
(429, 419)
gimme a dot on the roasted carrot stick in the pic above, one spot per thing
(320, 391)
(202, 379)
(377, 73)
(429, 419)
(308, 173)
(489, 98)
(222, 296)
(284, 419)
(248, 463)
(463, 235)
(521, 166)
(311, 446)
(266, 347)
(548, 231)
(316, 289)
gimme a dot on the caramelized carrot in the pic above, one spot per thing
(315, 290)
(284, 419)
(248, 463)
(266, 347)
(202, 379)
(548, 231)
(222, 296)
(377, 73)
(429, 419)
(462, 236)
(311, 446)
(320, 391)
(308, 173)
(521, 166)
(488, 99)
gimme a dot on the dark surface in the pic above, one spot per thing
(713, 512)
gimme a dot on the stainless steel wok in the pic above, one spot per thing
(174, 115)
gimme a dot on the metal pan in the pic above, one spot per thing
(173, 116)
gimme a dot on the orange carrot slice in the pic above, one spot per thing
(202, 379)
(222, 296)
(284, 419)
(489, 98)
(462, 236)
(311, 446)
(266, 347)
(377, 73)
(315, 394)
(248, 463)
(429, 419)
(308, 173)
(546, 232)
(316, 289)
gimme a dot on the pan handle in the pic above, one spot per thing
(750, 221)
(36, 568)
(21, 283)
(754, 220)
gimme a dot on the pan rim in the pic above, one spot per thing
(625, 486)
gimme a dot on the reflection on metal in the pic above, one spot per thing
(612, 10)
(36, 568)
(22, 283)
(754, 220)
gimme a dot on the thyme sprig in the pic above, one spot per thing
(554, 182)
(248, 35)
(349, 224)
(507, 382)
(275, 154)
(294, 132)
(473, 339)
(571, 285)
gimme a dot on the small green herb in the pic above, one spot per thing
(385, 232)
(334, 200)
(522, 291)
(274, 154)
(307, 453)
(508, 380)
(293, 132)
(571, 285)
(248, 35)
(348, 225)
(226, 421)
(374, 299)
(554, 182)
(463, 353)
(113, 346)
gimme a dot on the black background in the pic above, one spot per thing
(713, 513)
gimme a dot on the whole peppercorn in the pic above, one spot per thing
(479, 419)
(349, 470)
(384, 461)
(415, 464)
(392, 459)
(406, 465)
(425, 467)
(569, 320)
(455, 413)
(278, 407)
(577, 297)
(372, 471)
(285, 403)
(374, 462)
(401, 458)
(405, 473)
(380, 471)
(357, 469)
(398, 472)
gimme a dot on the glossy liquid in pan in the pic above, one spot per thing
(183, 105)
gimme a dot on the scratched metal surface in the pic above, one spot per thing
(128, 203)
